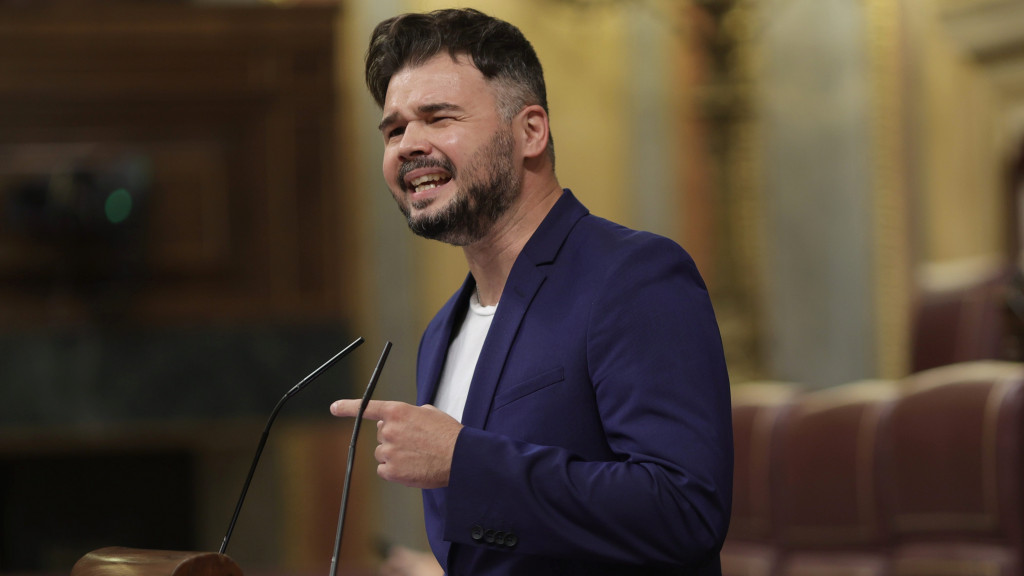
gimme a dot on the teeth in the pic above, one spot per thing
(427, 178)
(427, 182)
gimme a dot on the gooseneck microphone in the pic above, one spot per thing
(352, 454)
(266, 431)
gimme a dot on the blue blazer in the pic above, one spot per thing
(598, 435)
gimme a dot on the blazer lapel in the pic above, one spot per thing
(524, 280)
(515, 300)
(434, 345)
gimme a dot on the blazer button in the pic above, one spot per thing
(477, 533)
(499, 538)
(489, 536)
(511, 540)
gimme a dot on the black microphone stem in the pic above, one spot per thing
(352, 455)
(266, 431)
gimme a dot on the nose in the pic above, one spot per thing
(414, 142)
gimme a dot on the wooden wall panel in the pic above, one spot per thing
(228, 110)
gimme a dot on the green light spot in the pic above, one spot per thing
(118, 206)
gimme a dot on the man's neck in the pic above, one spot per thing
(491, 258)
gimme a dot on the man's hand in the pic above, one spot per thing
(415, 444)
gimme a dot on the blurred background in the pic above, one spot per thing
(192, 218)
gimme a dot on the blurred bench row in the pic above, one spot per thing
(921, 476)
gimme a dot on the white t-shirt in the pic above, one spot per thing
(462, 357)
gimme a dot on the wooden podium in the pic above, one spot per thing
(117, 561)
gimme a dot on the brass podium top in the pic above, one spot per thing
(118, 561)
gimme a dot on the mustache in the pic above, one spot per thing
(417, 163)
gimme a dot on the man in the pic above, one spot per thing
(573, 404)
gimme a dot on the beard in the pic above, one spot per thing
(490, 187)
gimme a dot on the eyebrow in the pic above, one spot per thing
(423, 110)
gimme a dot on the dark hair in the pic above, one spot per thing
(498, 49)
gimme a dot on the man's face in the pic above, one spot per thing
(448, 156)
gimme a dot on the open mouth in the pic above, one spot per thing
(428, 182)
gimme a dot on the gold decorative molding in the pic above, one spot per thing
(892, 262)
(735, 154)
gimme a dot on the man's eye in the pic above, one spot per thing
(395, 132)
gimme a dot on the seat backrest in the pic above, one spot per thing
(954, 452)
(828, 494)
(757, 408)
(962, 318)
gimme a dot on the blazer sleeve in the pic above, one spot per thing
(658, 373)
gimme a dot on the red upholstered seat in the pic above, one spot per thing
(962, 320)
(756, 411)
(922, 477)
(828, 496)
(954, 471)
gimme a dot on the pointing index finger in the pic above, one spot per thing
(350, 408)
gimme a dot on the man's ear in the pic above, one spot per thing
(534, 130)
